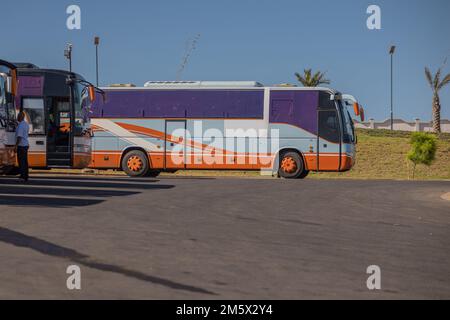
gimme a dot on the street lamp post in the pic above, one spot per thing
(391, 52)
(68, 55)
(97, 43)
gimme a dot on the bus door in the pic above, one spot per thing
(59, 151)
(34, 109)
(175, 144)
(328, 140)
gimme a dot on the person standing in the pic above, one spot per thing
(22, 146)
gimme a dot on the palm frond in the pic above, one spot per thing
(429, 76)
(300, 79)
(321, 78)
(308, 79)
(437, 78)
(444, 82)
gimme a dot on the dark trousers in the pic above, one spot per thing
(22, 158)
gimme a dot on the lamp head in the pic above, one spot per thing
(392, 50)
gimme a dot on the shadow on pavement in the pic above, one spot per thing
(95, 178)
(88, 183)
(47, 248)
(101, 193)
(43, 192)
(24, 201)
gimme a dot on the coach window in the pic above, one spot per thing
(329, 125)
(35, 115)
(329, 128)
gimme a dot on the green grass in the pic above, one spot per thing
(381, 154)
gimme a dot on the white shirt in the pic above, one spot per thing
(22, 132)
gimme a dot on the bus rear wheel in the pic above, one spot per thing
(135, 164)
(291, 166)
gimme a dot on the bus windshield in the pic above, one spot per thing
(348, 126)
(3, 111)
(6, 107)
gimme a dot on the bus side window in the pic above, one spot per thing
(35, 115)
(329, 126)
(325, 103)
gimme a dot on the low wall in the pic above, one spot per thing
(401, 125)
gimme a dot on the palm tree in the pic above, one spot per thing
(309, 80)
(436, 85)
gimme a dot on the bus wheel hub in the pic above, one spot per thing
(135, 163)
(289, 165)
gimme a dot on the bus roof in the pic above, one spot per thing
(33, 71)
(7, 64)
(25, 65)
(189, 84)
(214, 85)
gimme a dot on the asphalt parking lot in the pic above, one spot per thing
(223, 238)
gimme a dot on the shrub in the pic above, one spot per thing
(423, 149)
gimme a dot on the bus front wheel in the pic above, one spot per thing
(291, 166)
(135, 164)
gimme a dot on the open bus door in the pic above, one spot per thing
(65, 134)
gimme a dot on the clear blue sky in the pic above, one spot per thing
(263, 40)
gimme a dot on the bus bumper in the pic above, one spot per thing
(81, 160)
(7, 157)
(347, 162)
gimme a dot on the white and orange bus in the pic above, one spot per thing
(170, 126)
(57, 107)
(8, 90)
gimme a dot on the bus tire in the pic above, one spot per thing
(304, 174)
(153, 173)
(135, 164)
(291, 166)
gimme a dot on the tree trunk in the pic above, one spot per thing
(436, 114)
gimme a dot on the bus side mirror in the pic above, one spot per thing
(92, 93)
(14, 82)
(363, 116)
(356, 109)
(8, 84)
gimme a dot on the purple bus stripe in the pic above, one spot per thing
(180, 104)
